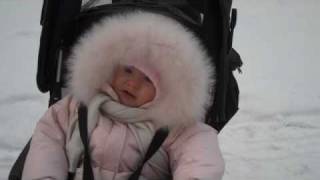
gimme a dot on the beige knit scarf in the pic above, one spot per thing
(107, 106)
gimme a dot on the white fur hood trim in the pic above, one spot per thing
(156, 43)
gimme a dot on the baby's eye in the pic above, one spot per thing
(128, 69)
(147, 79)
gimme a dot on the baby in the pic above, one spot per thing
(135, 72)
(132, 86)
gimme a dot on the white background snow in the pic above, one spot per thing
(274, 136)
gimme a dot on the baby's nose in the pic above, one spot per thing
(133, 83)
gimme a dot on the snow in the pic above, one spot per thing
(274, 136)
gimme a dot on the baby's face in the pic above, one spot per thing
(132, 86)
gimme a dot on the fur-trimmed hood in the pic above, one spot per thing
(162, 48)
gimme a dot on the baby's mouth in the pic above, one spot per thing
(127, 93)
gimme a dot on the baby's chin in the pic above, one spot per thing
(126, 100)
(130, 104)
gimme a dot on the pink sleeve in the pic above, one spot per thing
(47, 158)
(195, 154)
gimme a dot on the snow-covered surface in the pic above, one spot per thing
(274, 136)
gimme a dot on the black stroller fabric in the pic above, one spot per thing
(213, 21)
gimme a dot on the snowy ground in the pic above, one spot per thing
(275, 135)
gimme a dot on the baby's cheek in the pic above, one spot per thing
(149, 94)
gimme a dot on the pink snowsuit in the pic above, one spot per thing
(180, 69)
(193, 154)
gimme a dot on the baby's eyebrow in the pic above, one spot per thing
(129, 66)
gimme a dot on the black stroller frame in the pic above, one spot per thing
(213, 21)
